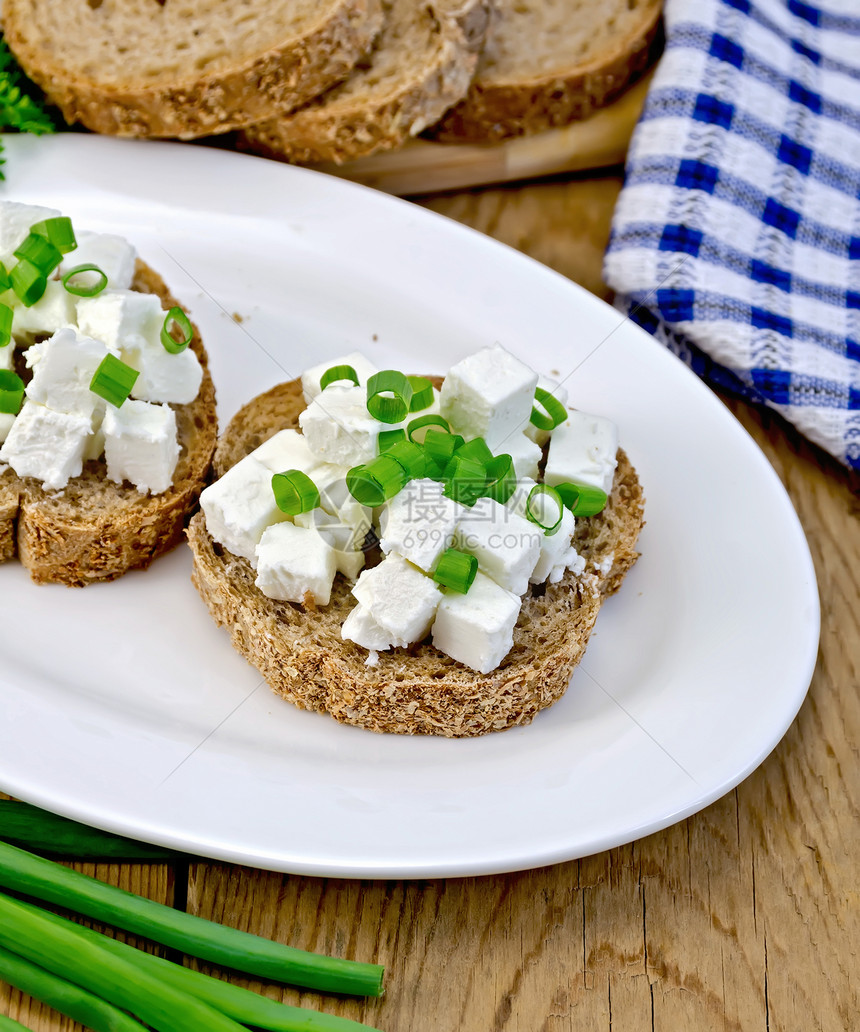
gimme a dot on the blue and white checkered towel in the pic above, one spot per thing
(736, 237)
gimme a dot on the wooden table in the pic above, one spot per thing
(743, 917)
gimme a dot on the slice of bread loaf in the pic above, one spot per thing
(545, 64)
(421, 65)
(95, 529)
(185, 68)
(417, 690)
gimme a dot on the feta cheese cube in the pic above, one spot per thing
(63, 368)
(114, 255)
(506, 545)
(15, 222)
(524, 453)
(287, 449)
(557, 553)
(7, 355)
(360, 627)
(489, 394)
(399, 597)
(293, 562)
(46, 444)
(346, 542)
(419, 523)
(338, 426)
(517, 502)
(239, 506)
(557, 391)
(335, 498)
(477, 628)
(164, 377)
(311, 377)
(54, 310)
(140, 445)
(6, 421)
(583, 450)
(121, 319)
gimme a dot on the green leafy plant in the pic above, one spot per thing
(21, 107)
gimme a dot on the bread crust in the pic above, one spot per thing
(287, 73)
(95, 530)
(417, 690)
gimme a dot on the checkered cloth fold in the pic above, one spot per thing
(736, 237)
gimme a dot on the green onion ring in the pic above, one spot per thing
(294, 492)
(389, 394)
(388, 438)
(502, 478)
(476, 449)
(6, 316)
(441, 445)
(176, 317)
(80, 289)
(57, 231)
(534, 503)
(420, 422)
(5, 281)
(465, 480)
(422, 393)
(337, 373)
(39, 251)
(375, 482)
(11, 392)
(582, 499)
(113, 380)
(28, 282)
(411, 457)
(553, 414)
(456, 570)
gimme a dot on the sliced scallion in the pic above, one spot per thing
(5, 281)
(6, 316)
(388, 438)
(28, 282)
(582, 499)
(11, 392)
(389, 395)
(415, 427)
(337, 373)
(411, 457)
(501, 478)
(422, 393)
(113, 380)
(553, 412)
(441, 445)
(178, 320)
(58, 231)
(39, 251)
(544, 506)
(456, 570)
(375, 482)
(465, 479)
(77, 281)
(294, 492)
(476, 449)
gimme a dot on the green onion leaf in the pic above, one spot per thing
(582, 499)
(28, 282)
(441, 445)
(465, 480)
(5, 281)
(375, 482)
(415, 426)
(113, 380)
(476, 449)
(294, 492)
(387, 438)
(39, 251)
(9, 1024)
(337, 373)
(57, 231)
(553, 412)
(501, 478)
(389, 395)
(456, 570)
(544, 506)
(422, 393)
(411, 457)
(6, 315)
(176, 318)
(87, 287)
(11, 392)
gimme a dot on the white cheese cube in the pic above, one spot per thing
(164, 377)
(46, 444)
(140, 445)
(360, 627)
(294, 562)
(63, 368)
(557, 553)
(122, 318)
(506, 545)
(54, 309)
(287, 449)
(477, 628)
(114, 255)
(524, 453)
(583, 450)
(7, 355)
(339, 428)
(336, 499)
(419, 523)
(15, 222)
(239, 506)
(6, 421)
(489, 395)
(345, 541)
(311, 377)
(557, 391)
(399, 597)
(517, 502)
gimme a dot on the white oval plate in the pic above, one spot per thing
(123, 706)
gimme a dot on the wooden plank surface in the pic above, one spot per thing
(742, 918)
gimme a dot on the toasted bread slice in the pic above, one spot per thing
(95, 529)
(185, 68)
(421, 65)
(419, 690)
(545, 65)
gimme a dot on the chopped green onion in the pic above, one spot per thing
(456, 570)
(294, 492)
(6, 316)
(113, 380)
(10, 1025)
(422, 393)
(28, 282)
(465, 480)
(476, 449)
(5, 281)
(11, 392)
(387, 438)
(415, 426)
(38, 251)
(49, 882)
(582, 499)
(411, 457)
(553, 413)
(85, 289)
(58, 231)
(389, 395)
(544, 506)
(375, 482)
(176, 317)
(501, 478)
(64, 996)
(440, 445)
(337, 373)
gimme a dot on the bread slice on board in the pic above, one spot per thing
(545, 64)
(421, 65)
(185, 68)
(95, 529)
(418, 690)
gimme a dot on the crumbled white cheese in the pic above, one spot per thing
(360, 627)
(140, 445)
(556, 552)
(293, 562)
(63, 368)
(477, 628)
(6, 421)
(46, 444)
(7, 355)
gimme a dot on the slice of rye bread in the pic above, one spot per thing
(416, 690)
(95, 529)
(546, 63)
(422, 64)
(185, 68)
